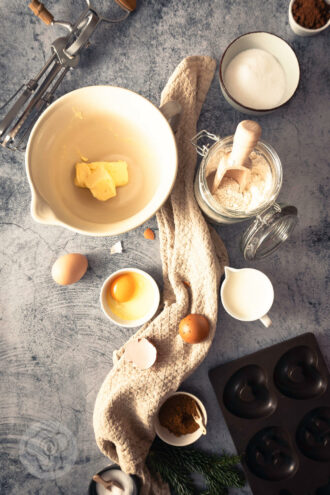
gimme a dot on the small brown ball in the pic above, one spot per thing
(194, 328)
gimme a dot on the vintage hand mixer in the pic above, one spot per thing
(38, 93)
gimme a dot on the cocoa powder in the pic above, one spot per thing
(311, 14)
(177, 415)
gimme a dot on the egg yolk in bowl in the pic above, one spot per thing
(130, 295)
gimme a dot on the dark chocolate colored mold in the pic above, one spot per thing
(323, 490)
(313, 434)
(297, 375)
(276, 403)
(246, 393)
(270, 456)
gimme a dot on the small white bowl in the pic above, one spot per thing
(129, 323)
(301, 30)
(184, 440)
(274, 45)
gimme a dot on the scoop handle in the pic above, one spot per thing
(107, 484)
(246, 136)
(265, 320)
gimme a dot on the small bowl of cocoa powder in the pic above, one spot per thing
(309, 17)
(175, 423)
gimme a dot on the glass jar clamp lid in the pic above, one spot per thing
(272, 223)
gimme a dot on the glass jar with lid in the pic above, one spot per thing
(272, 222)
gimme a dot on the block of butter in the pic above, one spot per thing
(101, 178)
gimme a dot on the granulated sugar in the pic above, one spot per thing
(258, 187)
(255, 79)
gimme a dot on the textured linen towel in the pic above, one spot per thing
(129, 398)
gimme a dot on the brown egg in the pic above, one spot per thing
(69, 268)
(194, 328)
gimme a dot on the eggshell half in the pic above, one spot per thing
(141, 353)
(69, 268)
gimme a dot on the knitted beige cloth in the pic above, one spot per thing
(129, 397)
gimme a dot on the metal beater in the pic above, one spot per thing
(37, 95)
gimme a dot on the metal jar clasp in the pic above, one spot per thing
(203, 137)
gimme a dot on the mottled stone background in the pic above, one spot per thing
(56, 345)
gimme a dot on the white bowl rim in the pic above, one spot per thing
(35, 192)
(168, 440)
(304, 29)
(148, 315)
(262, 110)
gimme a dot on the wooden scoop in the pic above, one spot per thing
(237, 163)
(199, 420)
(107, 484)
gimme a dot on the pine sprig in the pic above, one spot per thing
(175, 466)
(176, 475)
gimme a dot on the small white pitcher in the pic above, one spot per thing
(247, 294)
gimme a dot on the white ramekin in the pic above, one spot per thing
(129, 323)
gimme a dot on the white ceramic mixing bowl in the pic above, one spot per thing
(100, 123)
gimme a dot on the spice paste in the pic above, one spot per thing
(176, 414)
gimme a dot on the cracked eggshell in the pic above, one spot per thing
(141, 353)
(116, 248)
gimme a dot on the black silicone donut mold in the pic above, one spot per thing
(276, 403)
(247, 393)
(313, 434)
(297, 374)
(270, 455)
(323, 490)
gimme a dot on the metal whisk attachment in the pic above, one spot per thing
(38, 93)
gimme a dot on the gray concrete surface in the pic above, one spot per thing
(55, 344)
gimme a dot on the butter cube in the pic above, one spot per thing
(83, 171)
(101, 184)
(101, 177)
(118, 171)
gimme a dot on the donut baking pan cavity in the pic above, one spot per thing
(276, 403)
(247, 393)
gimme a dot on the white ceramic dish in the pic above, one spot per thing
(277, 47)
(100, 123)
(300, 30)
(183, 440)
(129, 323)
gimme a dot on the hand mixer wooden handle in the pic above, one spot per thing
(129, 5)
(40, 11)
(246, 137)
